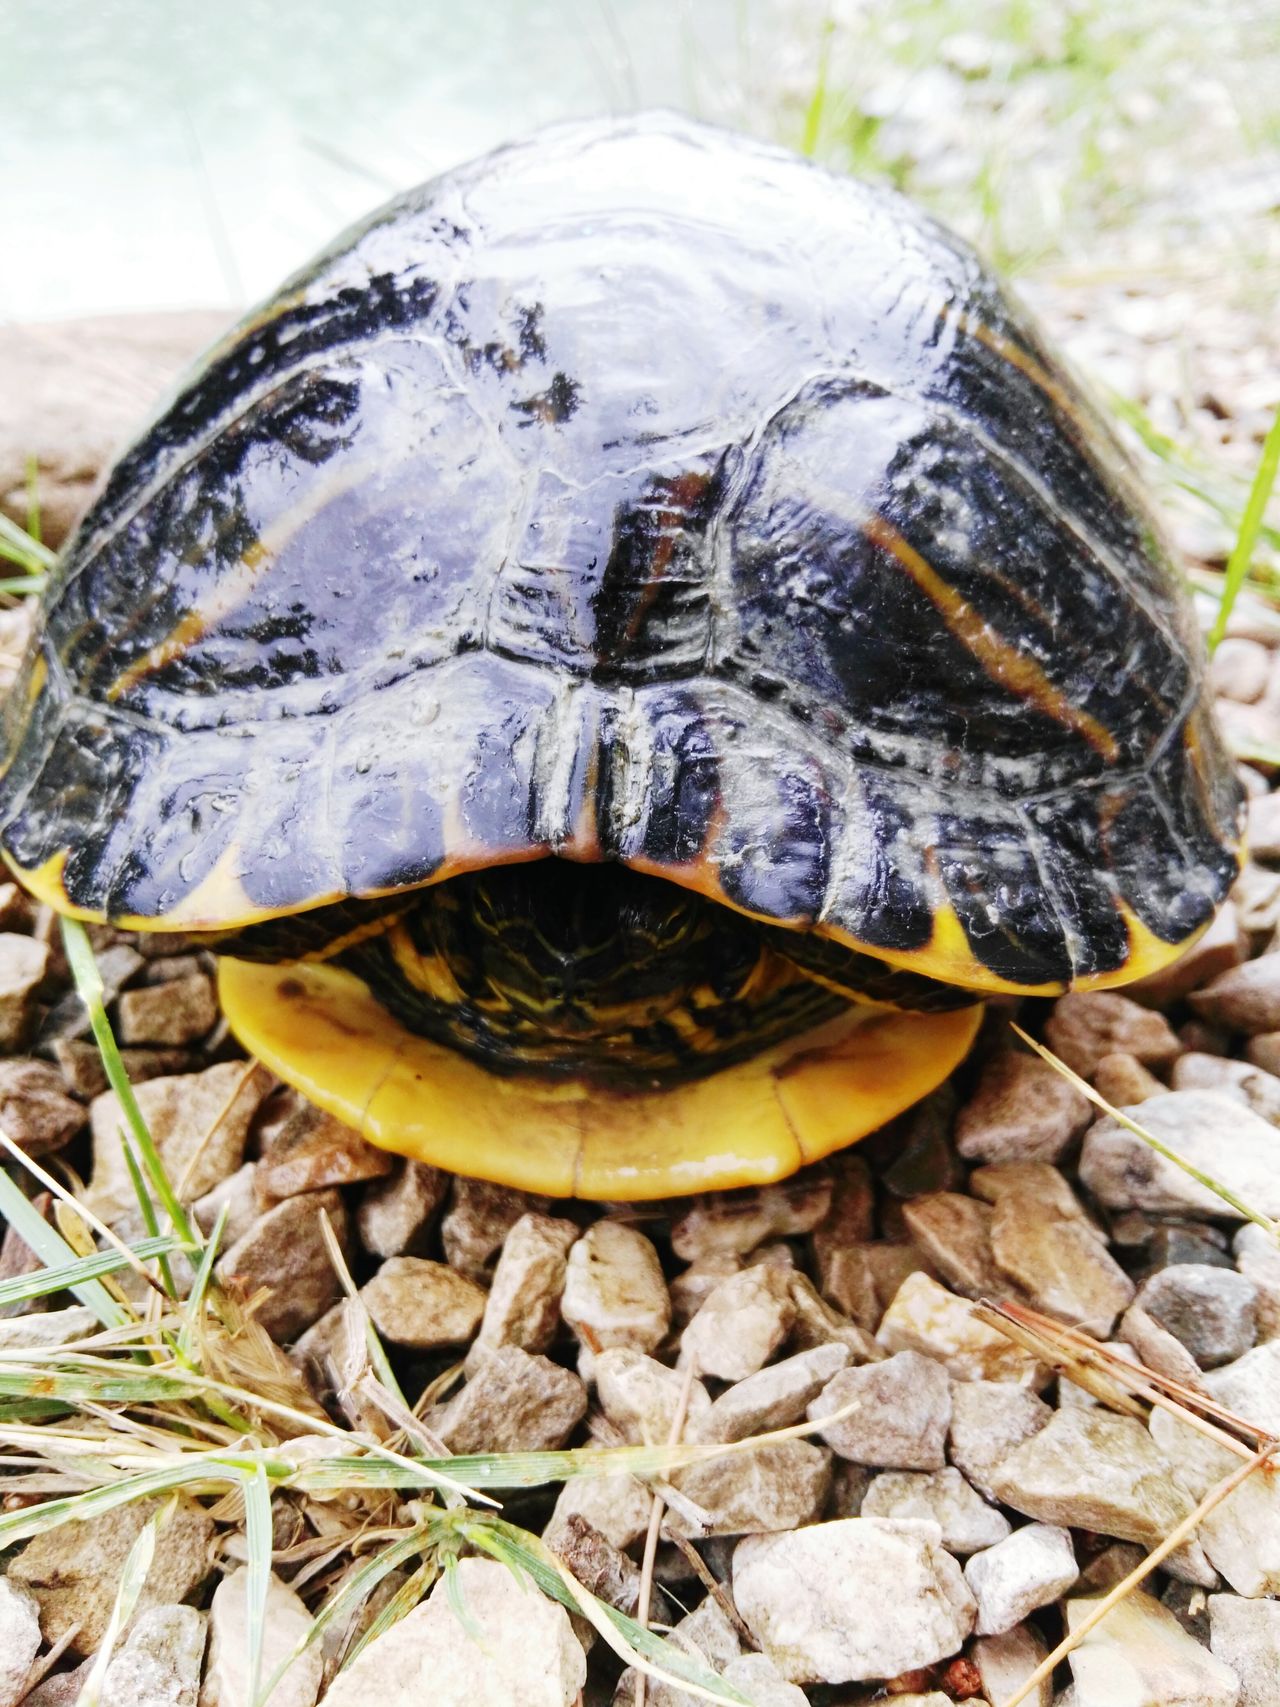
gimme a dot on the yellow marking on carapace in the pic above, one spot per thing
(220, 902)
(234, 585)
(216, 903)
(1027, 365)
(45, 885)
(39, 676)
(1004, 663)
(321, 1029)
(948, 958)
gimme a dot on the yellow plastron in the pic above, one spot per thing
(320, 1028)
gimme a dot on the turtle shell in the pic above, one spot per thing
(644, 493)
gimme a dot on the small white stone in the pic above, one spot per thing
(513, 1401)
(1241, 1535)
(773, 1398)
(74, 1570)
(505, 1646)
(778, 1486)
(23, 963)
(1023, 1110)
(159, 1664)
(226, 1677)
(1041, 1239)
(421, 1304)
(1258, 1258)
(853, 1599)
(1240, 669)
(618, 1506)
(285, 1252)
(479, 1217)
(46, 1328)
(1245, 1634)
(954, 1232)
(925, 1317)
(818, 1323)
(523, 1306)
(395, 1213)
(178, 1011)
(1212, 1132)
(738, 1224)
(238, 1196)
(1140, 1656)
(19, 1640)
(1028, 1570)
(200, 1125)
(762, 1683)
(943, 1497)
(1088, 1469)
(614, 1291)
(743, 1322)
(903, 1409)
(641, 1396)
(1006, 1662)
(1086, 1025)
(989, 1419)
(1211, 1310)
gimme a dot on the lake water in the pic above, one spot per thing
(159, 153)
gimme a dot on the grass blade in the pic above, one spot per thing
(637, 1646)
(817, 104)
(194, 1303)
(257, 1524)
(38, 1520)
(19, 547)
(66, 1277)
(353, 1593)
(84, 969)
(132, 1579)
(33, 499)
(54, 1251)
(1250, 527)
(148, 1208)
(403, 1600)
(1149, 1138)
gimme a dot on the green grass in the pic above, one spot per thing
(1250, 530)
(21, 548)
(185, 1397)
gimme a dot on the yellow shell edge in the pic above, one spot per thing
(320, 1028)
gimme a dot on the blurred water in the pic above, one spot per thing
(171, 153)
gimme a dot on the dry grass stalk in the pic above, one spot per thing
(62, 1195)
(1116, 1381)
(655, 1523)
(1149, 1138)
(1126, 1585)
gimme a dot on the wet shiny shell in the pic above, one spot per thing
(639, 492)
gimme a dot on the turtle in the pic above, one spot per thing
(621, 656)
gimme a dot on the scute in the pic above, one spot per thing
(641, 493)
